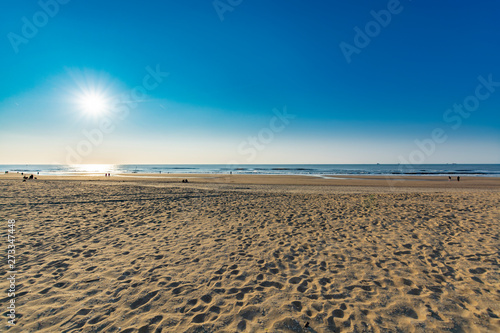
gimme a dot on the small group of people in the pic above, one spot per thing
(185, 181)
(27, 178)
(458, 178)
(107, 175)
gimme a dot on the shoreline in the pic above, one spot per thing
(334, 181)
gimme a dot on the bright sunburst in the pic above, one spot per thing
(92, 93)
(94, 103)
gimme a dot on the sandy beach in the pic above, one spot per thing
(238, 253)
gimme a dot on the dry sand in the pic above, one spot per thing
(230, 254)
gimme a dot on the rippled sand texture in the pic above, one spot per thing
(127, 258)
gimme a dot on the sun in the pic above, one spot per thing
(92, 94)
(94, 103)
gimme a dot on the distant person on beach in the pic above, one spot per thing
(449, 178)
(458, 178)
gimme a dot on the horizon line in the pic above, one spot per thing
(447, 163)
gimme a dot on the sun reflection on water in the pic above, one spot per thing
(93, 168)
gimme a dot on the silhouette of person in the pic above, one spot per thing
(458, 178)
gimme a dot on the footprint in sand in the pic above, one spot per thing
(143, 300)
(297, 305)
(206, 298)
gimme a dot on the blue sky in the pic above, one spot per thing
(225, 78)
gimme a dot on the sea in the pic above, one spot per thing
(481, 170)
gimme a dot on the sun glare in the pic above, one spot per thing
(91, 93)
(94, 104)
